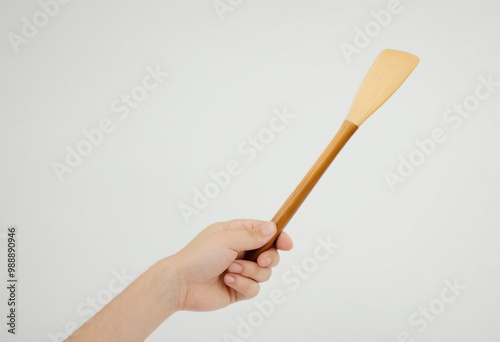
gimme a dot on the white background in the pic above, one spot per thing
(119, 208)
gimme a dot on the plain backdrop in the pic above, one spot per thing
(118, 211)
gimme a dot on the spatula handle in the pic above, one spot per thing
(292, 204)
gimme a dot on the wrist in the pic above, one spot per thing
(173, 283)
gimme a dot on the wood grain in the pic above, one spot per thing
(390, 69)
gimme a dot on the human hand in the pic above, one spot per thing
(211, 271)
(208, 274)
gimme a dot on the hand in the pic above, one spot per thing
(207, 274)
(212, 273)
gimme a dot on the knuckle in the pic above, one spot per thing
(245, 286)
(254, 289)
(267, 274)
(275, 259)
(227, 224)
(244, 268)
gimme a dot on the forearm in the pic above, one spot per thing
(136, 312)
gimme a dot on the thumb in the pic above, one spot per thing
(248, 239)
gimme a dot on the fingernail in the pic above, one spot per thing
(229, 279)
(266, 262)
(235, 268)
(269, 229)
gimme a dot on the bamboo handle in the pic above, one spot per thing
(292, 204)
(387, 73)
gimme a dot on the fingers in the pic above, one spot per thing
(241, 235)
(269, 258)
(247, 239)
(243, 224)
(284, 242)
(248, 288)
(251, 270)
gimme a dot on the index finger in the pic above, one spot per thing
(284, 242)
(243, 224)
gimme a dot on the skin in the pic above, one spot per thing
(208, 274)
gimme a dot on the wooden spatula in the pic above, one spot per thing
(388, 72)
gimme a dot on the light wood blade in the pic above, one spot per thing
(387, 73)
